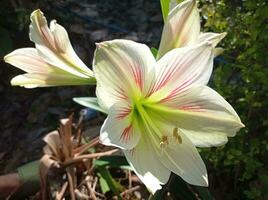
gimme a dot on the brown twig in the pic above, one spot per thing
(80, 150)
(80, 195)
(60, 194)
(89, 156)
(71, 184)
(129, 190)
(129, 179)
(95, 183)
(91, 191)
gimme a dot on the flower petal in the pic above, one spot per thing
(33, 80)
(121, 67)
(180, 68)
(203, 115)
(173, 148)
(183, 159)
(182, 27)
(28, 60)
(214, 38)
(146, 165)
(54, 46)
(120, 129)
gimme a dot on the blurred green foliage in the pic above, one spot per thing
(239, 169)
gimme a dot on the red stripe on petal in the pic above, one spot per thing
(125, 136)
(138, 75)
(122, 113)
(120, 94)
(195, 108)
(178, 89)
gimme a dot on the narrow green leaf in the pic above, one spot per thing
(112, 161)
(103, 184)
(90, 102)
(154, 51)
(164, 8)
(112, 184)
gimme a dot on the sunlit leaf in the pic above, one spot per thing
(112, 184)
(112, 161)
(154, 51)
(165, 8)
(90, 102)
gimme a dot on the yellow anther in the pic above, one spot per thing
(177, 136)
(163, 143)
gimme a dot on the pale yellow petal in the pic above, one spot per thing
(147, 165)
(183, 159)
(119, 129)
(121, 68)
(47, 80)
(214, 38)
(54, 46)
(200, 111)
(182, 27)
(28, 60)
(180, 68)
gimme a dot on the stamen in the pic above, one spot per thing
(164, 142)
(177, 136)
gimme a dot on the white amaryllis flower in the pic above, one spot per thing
(182, 28)
(159, 110)
(52, 62)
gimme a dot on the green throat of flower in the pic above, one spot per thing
(146, 116)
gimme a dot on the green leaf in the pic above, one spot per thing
(103, 184)
(90, 102)
(164, 8)
(110, 184)
(154, 51)
(112, 161)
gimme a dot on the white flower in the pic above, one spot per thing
(182, 28)
(52, 62)
(159, 110)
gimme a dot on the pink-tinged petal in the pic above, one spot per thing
(182, 27)
(204, 116)
(33, 80)
(54, 46)
(181, 157)
(63, 44)
(28, 60)
(39, 31)
(214, 38)
(147, 166)
(120, 128)
(181, 68)
(121, 68)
